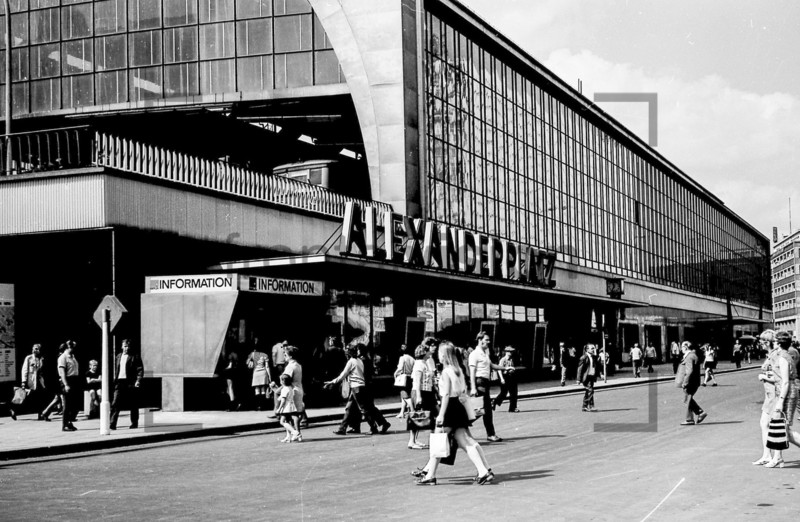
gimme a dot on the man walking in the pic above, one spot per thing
(480, 369)
(688, 378)
(127, 380)
(563, 361)
(587, 375)
(636, 359)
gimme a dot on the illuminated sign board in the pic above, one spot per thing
(211, 283)
(416, 242)
(273, 285)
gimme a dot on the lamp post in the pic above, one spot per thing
(7, 97)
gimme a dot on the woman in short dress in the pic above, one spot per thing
(422, 395)
(258, 362)
(404, 366)
(785, 404)
(766, 376)
(452, 418)
(710, 363)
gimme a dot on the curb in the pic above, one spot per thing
(155, 438)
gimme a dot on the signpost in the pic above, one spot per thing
(107, 316)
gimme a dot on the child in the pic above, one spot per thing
(287, 409)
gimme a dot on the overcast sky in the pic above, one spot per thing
(727, 74)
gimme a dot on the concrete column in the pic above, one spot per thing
(172, 394)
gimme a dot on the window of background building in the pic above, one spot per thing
(179, 12)
(77, 57)
(216, 10)
(46, 95)
(145, 48)
(253, 8)
(112, 87)
(216, 41)
(145, 84)
(254, 74)
(292, 70)
(180, 80)
(78, 91)
(144, 14)
(293, 33)
(217, 76)
(109, 17)
(180, 44)
(292, 7)
(254, 37)
(76, 21)
(46, 60)
(110, 52)
(44, 26)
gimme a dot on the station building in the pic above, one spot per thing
(244, 172)
(785, 275)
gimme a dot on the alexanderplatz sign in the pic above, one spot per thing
(417, 242)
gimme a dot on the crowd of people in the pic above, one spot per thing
(57, 388)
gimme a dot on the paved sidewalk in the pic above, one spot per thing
(27, 437)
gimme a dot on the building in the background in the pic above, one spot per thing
(172, 138)
(785, 276)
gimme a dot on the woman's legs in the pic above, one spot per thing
(473, 449)
(764, 424)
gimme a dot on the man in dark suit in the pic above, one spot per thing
(688, 378)
(128, 375)
(587, 375)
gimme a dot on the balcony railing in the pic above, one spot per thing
(80, 147)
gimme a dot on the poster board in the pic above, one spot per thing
(8, 346)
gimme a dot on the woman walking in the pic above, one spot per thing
(259, 363)
(710, 363)
(766, 340)
(359, 399)
(452, 418)
(402, 380)
(785, 378)
(422, 394)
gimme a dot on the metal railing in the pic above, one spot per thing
(80, 147)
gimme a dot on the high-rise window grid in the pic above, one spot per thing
(74, 53)
(508, 157)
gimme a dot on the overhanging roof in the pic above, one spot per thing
(734, 320)
(380, 277)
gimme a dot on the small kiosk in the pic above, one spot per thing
(189, 321)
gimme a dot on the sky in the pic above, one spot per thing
(726, 72)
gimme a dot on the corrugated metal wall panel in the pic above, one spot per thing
(49, 204)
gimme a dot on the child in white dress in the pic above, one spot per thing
(288, 410)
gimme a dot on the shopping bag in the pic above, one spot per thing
(419, 420)
(400, 380)
(476, 403)
(439, 445)
(20, 394)
(777, 436)
(465, 403)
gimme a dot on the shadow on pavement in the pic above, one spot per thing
(617, 409)
(721, 422)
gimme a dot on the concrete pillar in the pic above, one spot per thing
(172, 394)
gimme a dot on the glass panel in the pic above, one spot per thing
(179, 12)
(78, 91)
(217, 77)
(292, 33)
(46, 95)
(180, 80)
(19, 66)
(216, 10)
(109, 16)
(326, 68)
(359, 326)
(253, 8)
(145, 84)
(216, 41)
(292, 7)
(254, 37)
(144, 14)
(46, 60)
(112, 87)
(180, 45)
(292, 70)
(444, 314)
(77, 56)
(320, 38)
(425, 311)
(254, 74)
(477, 310)
(145, 48)
(76, 21)
(110, 52)
(44, 26)
(462, 312)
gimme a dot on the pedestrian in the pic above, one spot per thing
(785, 378)
(57, 403)
(480, 367)
(69, 374)
(587, 375)
(737, 354)
(423, 397)
(675, 356)
(279, 356)
(453, 418)
(710, 363)
(563, 361)
(603, 362)
(295, 370)
(128, 375)
(402, 380)
(258, 362)
(688, 379)
(508, 382)
(33, 378)
(358, 399)
(94, 384)
(289, 408)
(650, 356)
(231, 372)
(636, 359)
(767, 378)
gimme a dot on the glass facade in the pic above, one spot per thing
(516, 158)
(73, 53)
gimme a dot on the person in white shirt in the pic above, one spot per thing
(636, 359)
(480, 369)
(69, 375)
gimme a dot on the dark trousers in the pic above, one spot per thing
(71, 401)
(692, 408)
(507, 388)
(361, 401)
(676, 361)
(125, 395)
(484, 386)
(637, 366)
(588, 394)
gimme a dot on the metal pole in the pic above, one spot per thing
(603, 337)
(7, 97)
(105, 405)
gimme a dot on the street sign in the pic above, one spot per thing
(115, 309)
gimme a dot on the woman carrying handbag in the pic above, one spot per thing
(402, 380)
(785, 376)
